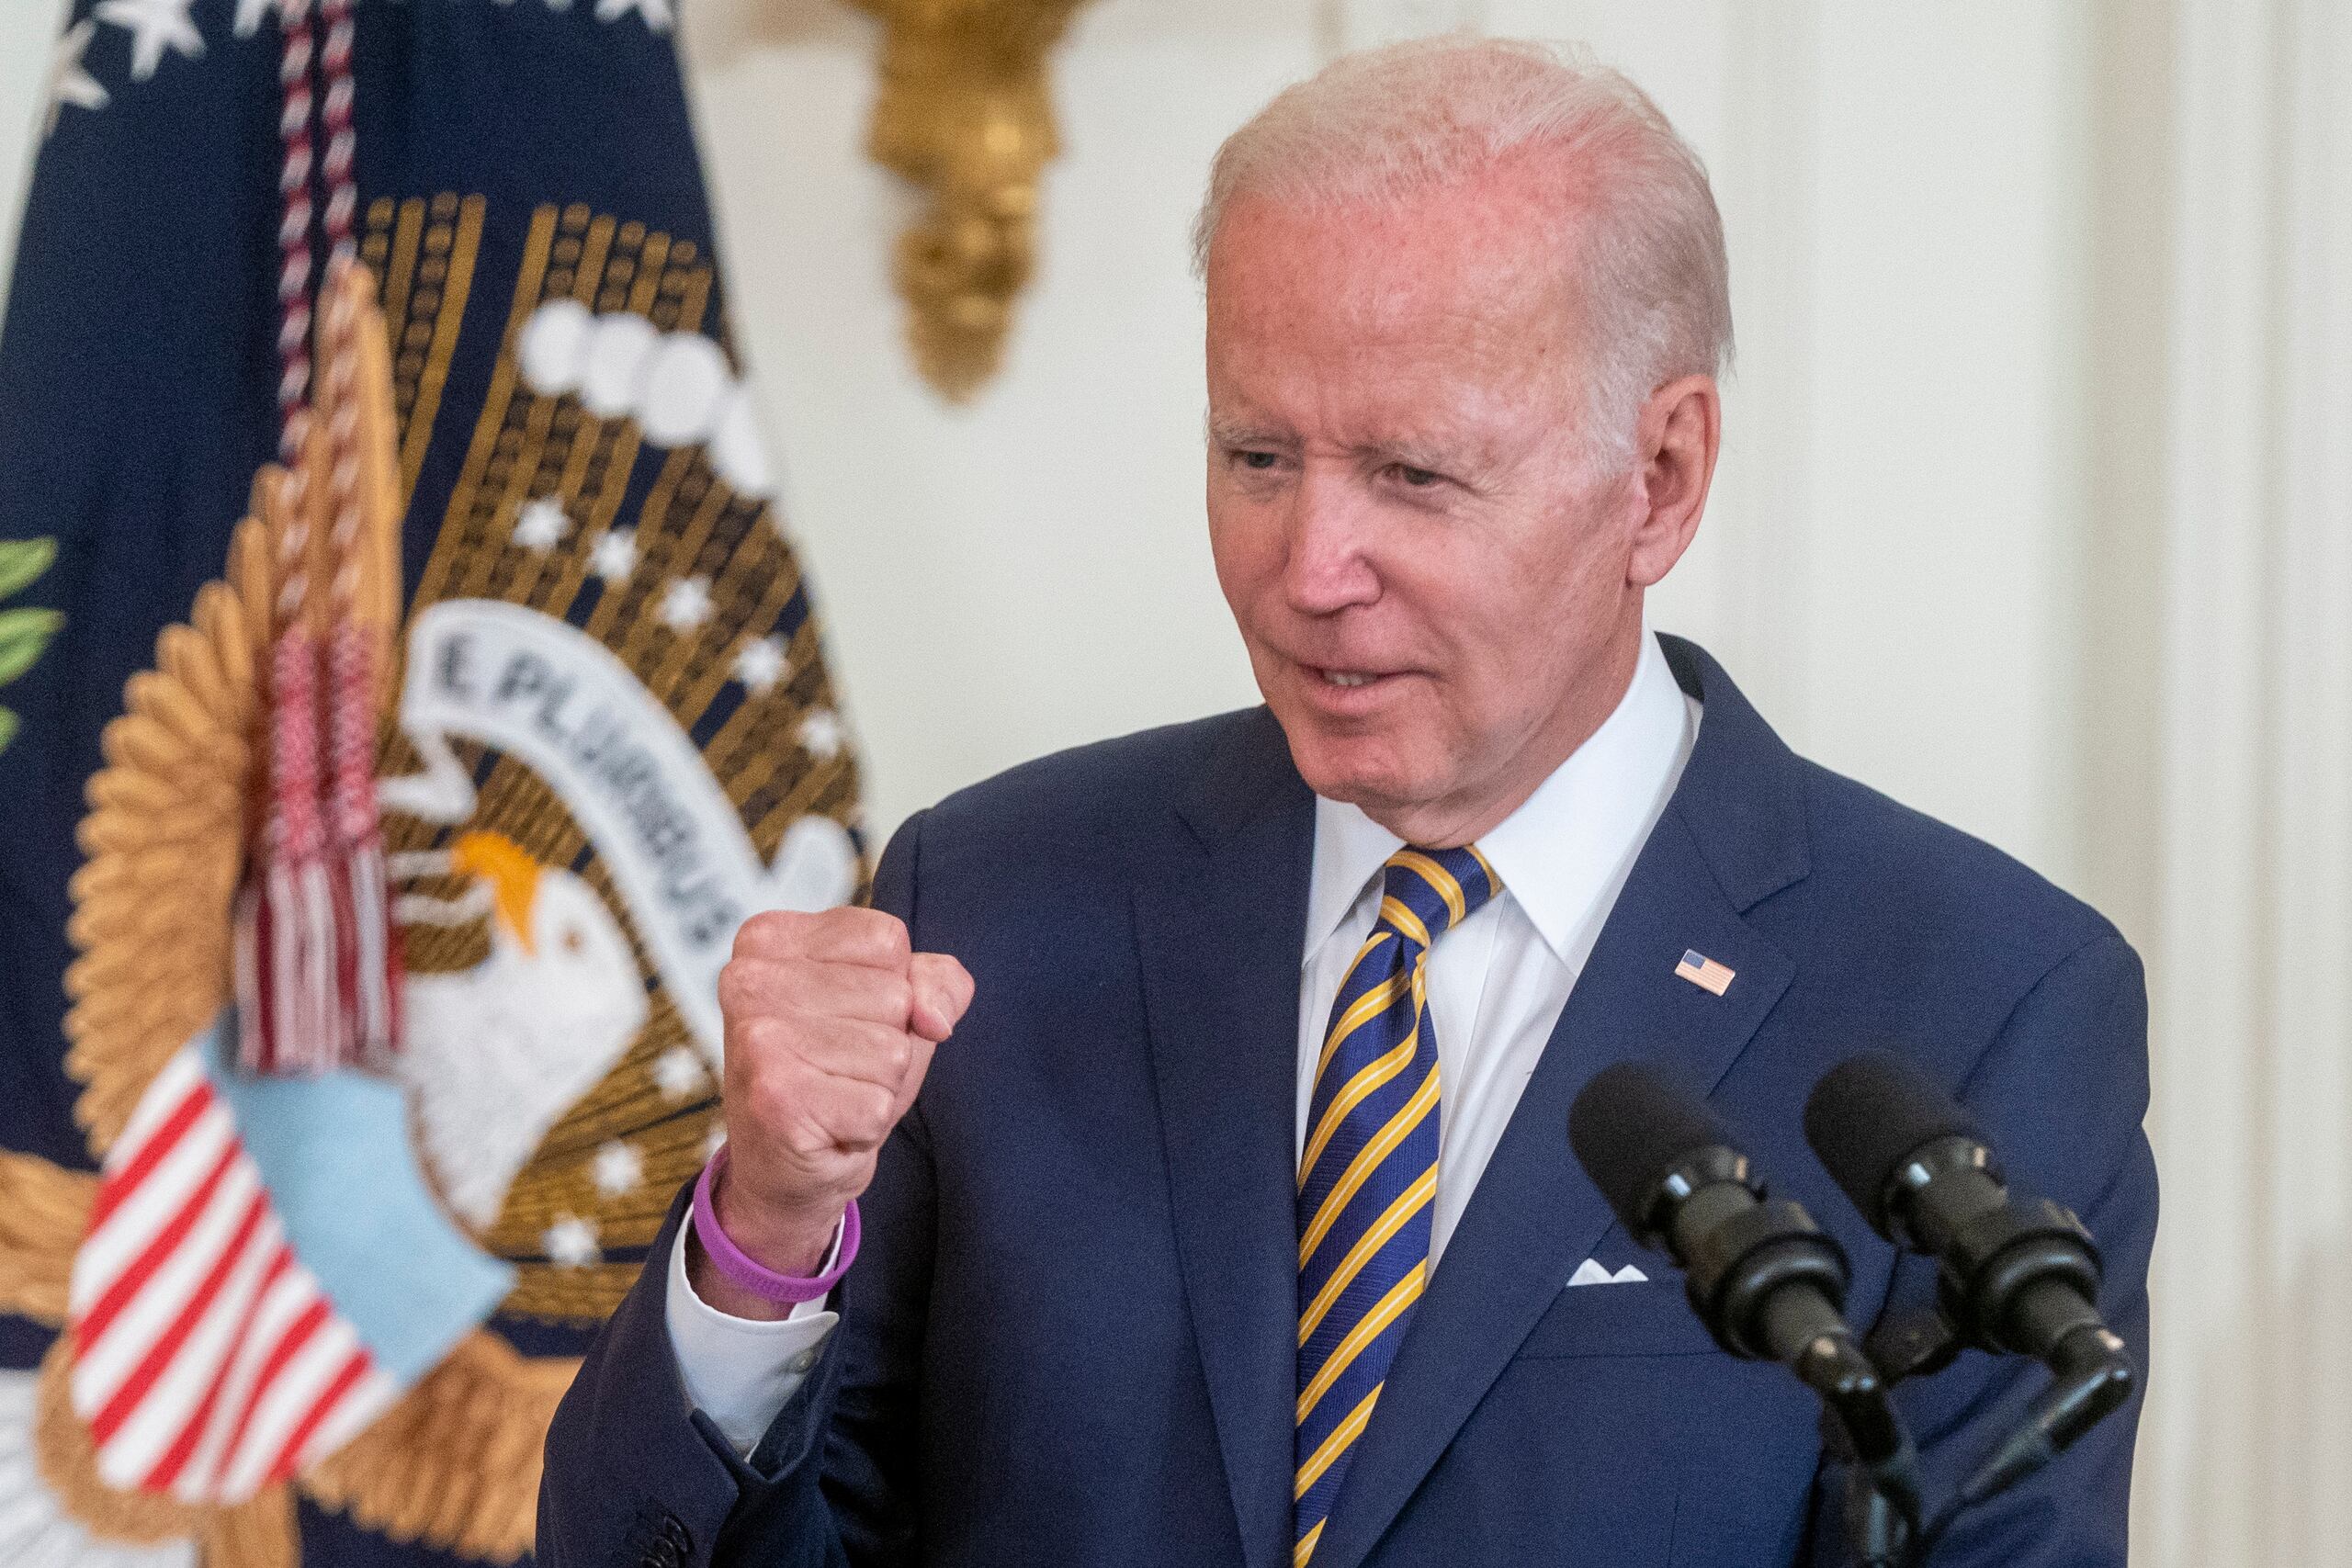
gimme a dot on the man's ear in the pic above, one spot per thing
(1678, 437)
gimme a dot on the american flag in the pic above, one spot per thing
(208, 1361)
(1705, 972)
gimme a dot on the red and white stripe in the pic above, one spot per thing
(208, 1363)
(294, 224)
(334, 118)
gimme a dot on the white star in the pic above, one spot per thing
(571, 1242)
(249, 16)
(541, 524)
(619, 1167)
(655, 12)
(685, 605)
(759, 664)
(154, 26)
(615, 555)
(68, 82)
(677, 1073)
(820, 733)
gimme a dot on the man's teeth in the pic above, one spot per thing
(1340, 678)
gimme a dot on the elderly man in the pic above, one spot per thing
(1179, 1140)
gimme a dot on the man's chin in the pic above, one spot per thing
(1361, 769)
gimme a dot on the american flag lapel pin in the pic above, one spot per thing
(1705, 972)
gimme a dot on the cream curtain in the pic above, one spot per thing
(2246, 1451)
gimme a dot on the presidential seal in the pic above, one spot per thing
(604, 734)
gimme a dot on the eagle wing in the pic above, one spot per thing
(455, 1463)
(44, 1211)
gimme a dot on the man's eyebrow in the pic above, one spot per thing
(1243, 433)
(1435, 452)
(1415, 454)
(1439, 452)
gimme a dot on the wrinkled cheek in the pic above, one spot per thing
(1431, 734)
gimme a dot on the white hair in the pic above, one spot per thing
(1386, 123)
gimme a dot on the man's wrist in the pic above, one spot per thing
(722, 1294)
(786, 1244)
(739, 1281)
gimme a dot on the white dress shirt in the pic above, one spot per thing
(1497, 983)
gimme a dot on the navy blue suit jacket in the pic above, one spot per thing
(1070, 1337)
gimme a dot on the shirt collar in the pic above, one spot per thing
(1564, 853)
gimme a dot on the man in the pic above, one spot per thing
(1184, 1127)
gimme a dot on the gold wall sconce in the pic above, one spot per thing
(964, 113)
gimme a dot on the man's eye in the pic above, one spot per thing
(1259, 460)
(1419, 479)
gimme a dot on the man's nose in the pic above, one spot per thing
(1327, 571)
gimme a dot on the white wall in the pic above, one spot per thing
(26, 26)
(1031, 572)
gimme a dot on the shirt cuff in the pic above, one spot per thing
(737, 1370)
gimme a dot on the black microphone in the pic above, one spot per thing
(1763, 1278)
(2020, 1276)
(1759, 1273)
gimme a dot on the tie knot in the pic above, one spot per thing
(1424, 892)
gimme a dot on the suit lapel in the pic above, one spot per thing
(1220, 949)
(1535, 1215)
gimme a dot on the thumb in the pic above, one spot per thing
(943, 989)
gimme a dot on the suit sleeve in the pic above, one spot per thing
(635, 1477)
(2061, 1093)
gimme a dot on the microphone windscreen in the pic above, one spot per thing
(1630, 1126)
(1868, 1115)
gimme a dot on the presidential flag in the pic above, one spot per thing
(407, 684)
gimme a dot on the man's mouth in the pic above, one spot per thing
(1348, 679)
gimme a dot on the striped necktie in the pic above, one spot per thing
(1367, 1175)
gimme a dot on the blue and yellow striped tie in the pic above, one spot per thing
(1367, 1176)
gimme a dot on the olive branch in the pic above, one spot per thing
(25, 631)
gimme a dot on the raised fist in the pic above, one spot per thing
(832, 1019)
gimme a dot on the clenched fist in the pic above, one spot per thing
(832, 1019)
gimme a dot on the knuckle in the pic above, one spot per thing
(769, 931)
(735, 984)
(774, 1097)
(875, 1119)
(765, 1037)
(881, 937)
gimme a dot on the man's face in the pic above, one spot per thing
(1432, 578)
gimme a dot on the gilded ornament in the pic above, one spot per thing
(964, 113)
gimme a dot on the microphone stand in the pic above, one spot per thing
(2094, 1379)
(1859, 1424)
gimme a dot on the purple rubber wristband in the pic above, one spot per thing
(743, 1270)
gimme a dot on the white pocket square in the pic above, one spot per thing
(1590, 1272)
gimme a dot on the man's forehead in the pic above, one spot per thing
(1277, 340)
(1452, 271)
(1510, 227)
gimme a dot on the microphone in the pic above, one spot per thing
(2019, 1276)
(1763, 1278)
